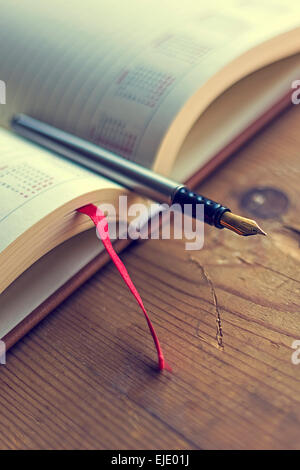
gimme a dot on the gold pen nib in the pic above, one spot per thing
(240, 225)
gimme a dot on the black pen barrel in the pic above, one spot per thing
(129, 174)
(99, 160)
(213, 211)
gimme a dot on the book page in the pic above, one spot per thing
(34, 183)
(247, 100)
(47, 275)
(118, 72)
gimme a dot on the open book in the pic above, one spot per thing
(172, 85)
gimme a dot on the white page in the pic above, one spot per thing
(247, 100)
(118, 72)
(35, 182)
(47, 275)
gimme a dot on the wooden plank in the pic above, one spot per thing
(86, 377)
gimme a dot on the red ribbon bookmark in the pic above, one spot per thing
(100, 221)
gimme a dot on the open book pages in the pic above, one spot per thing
(45, 276)
(232, 112)
(136, 76)
(151, 80)
(39, 194)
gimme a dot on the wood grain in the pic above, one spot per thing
(86, 377)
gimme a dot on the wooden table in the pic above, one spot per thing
(86, 377)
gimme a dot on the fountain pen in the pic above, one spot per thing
(131, 175)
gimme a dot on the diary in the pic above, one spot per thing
(174, 86)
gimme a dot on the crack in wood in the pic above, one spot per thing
(219, 333)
